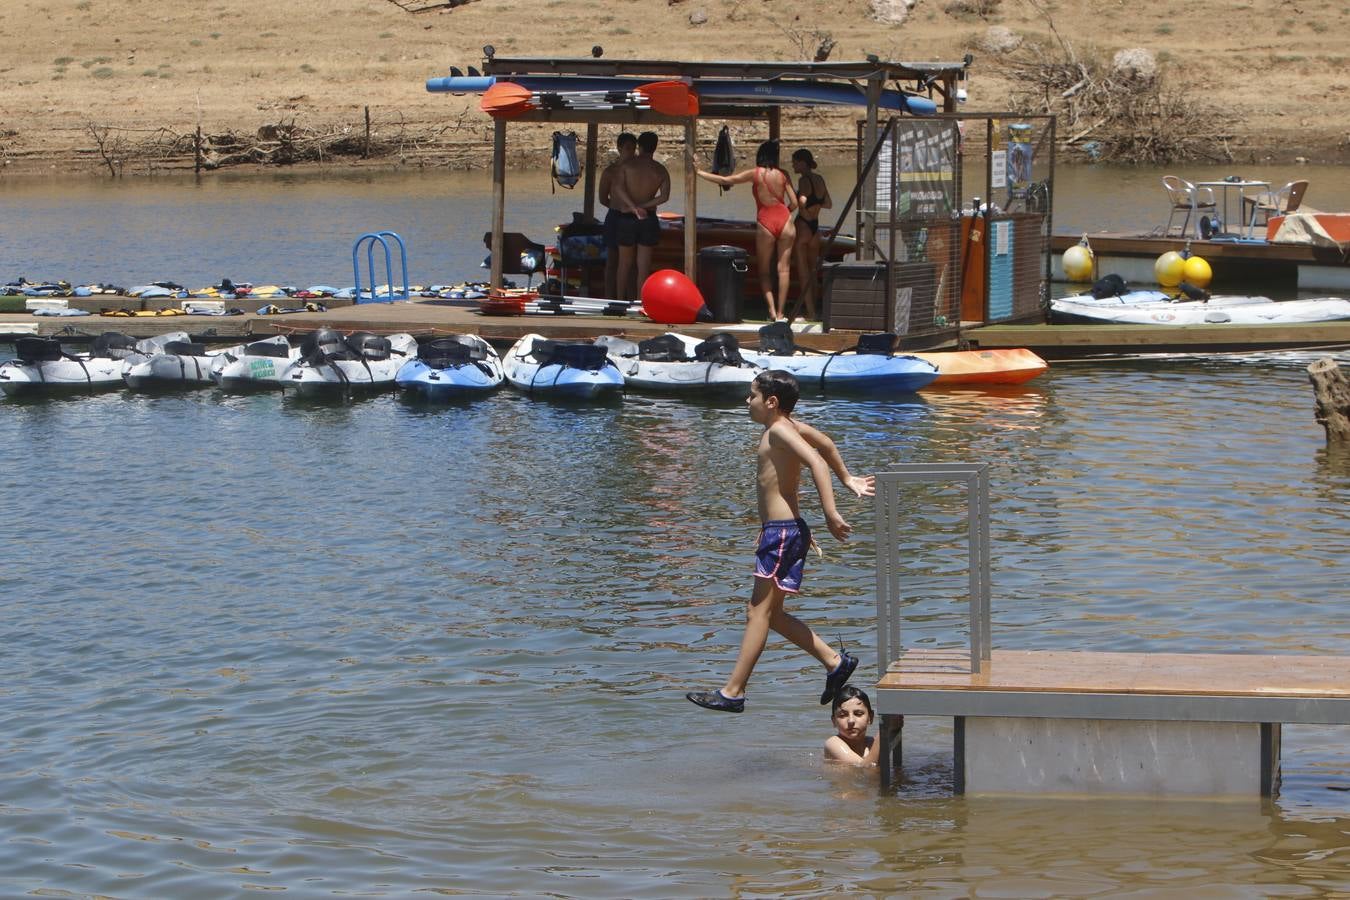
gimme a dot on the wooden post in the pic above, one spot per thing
(775, 123)
(592, 142)
(365, 153)
(498, 200)
(1333, 399)
(690, 200)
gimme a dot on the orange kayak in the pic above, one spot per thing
(1012, 366)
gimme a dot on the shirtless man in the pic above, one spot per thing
(784, 538)
(641, 185)
(627, 146)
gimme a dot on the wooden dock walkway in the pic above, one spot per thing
(424, 317)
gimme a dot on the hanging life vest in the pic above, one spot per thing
(565, 166)
(724, 155)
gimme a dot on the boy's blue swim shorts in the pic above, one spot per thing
(782, 553)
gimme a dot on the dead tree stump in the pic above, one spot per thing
(1333, 399)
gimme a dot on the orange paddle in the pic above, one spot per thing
(671, 98)
(505, 98)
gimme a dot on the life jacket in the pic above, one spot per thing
(565, 166)
(720, 348)
(776, 339)
(724, 155)
(662, 348)
(1109, 286)
(881, 343)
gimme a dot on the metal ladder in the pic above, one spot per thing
(370, 239)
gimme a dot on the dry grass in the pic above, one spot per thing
(234, 66)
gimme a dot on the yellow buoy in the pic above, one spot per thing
(1168, 269)
(1197, 272)
(1077, 263)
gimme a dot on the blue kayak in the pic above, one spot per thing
(868, 367)
(447, 368)
(569, 369)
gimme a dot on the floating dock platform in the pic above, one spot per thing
(1079, 722)
(1235, 262)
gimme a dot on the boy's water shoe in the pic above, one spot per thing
(839, 677)
(717, 700)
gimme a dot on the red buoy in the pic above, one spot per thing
(671, 298)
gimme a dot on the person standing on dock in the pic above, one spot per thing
(774, 233)
(813, 195)
(640, 186)
(785, 446)
(626, 144)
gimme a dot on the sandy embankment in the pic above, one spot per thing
(89, 78)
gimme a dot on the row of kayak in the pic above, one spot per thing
(460, 365)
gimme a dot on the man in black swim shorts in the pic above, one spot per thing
(642, 184)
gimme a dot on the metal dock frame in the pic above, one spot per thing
(889, 511)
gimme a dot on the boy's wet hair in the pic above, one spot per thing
(780, 384)
(849, 692)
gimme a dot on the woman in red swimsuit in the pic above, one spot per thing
(774, 237)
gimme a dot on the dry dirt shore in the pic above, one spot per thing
(102, 86)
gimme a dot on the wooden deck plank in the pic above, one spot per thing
(1087, 672)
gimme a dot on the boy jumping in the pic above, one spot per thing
(785, 446)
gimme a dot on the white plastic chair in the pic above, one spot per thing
(1186, 198)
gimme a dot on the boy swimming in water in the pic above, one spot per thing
(784, 448)
(852, 716)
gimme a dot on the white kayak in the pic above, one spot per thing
(677, 362)
(332, 364)
(1157, 308)
(255, 366)
(571, 369)
(450, 367)
(870, 366)
(182, 364)
(43, 366)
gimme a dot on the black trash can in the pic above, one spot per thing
(721, 280)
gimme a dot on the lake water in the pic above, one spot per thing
(298, 228)
(255, 643)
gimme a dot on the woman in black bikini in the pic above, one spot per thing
(813, 195)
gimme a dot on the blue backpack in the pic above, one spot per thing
(566, 167)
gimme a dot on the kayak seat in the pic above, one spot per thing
(663, 348)
(37, 349)
(267, 348)
(369, 346)
(324, 344)
(576, 354)
(112, 345)
(721, 348)
(880, 344)
(184, 348)
(776, 339)
(445, 353)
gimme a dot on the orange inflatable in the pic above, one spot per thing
(670, 298)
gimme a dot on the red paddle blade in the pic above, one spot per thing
(671, 98)
(505, 98)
